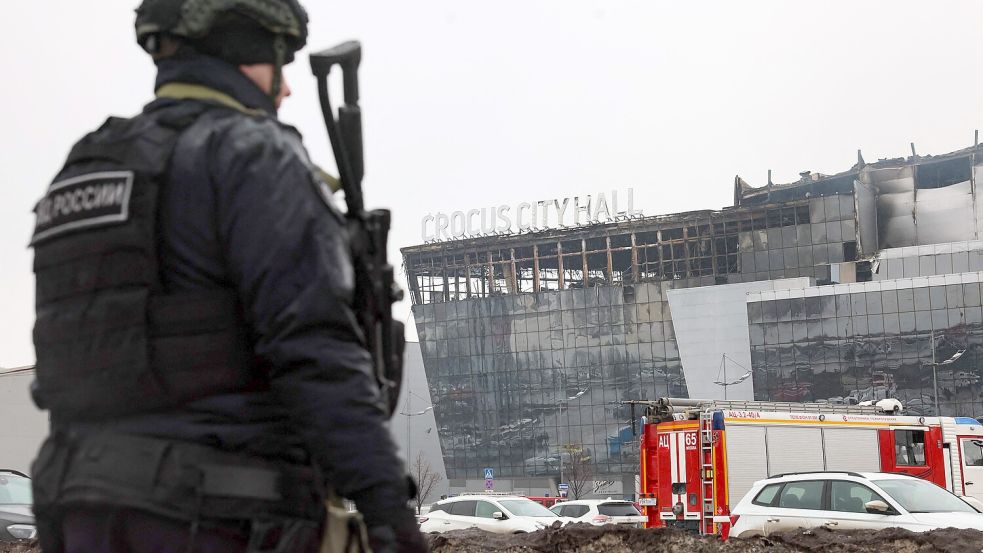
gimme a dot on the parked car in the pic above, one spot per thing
(502, 514)
(601, 511)
(848, 501)
(16, 517)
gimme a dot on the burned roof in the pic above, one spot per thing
(817, 184)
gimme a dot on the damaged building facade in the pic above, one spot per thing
(842, 287)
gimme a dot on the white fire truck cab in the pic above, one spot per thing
(699, 457)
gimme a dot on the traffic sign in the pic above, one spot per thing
(489, 484)
(562, 488)
(489, 474)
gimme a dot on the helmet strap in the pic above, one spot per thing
(280, 56)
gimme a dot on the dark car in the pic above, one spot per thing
(16, 518)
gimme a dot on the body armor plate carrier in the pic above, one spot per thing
(109, 339)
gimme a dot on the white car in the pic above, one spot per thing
(849, 501)
(601, 511)
(502, 514)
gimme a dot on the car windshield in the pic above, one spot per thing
(618, 510)
(920, 496)
(15, 490)
(526, 508)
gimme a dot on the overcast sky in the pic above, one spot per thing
(470, 106)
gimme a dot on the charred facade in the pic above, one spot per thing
(530, 341)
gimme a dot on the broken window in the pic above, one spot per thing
(942, 173)
(692, 246)
(850, 251)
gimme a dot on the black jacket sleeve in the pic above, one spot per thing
(288, 255)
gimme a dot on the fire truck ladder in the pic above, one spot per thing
(666, 408)
(707, 472)
(779, 406)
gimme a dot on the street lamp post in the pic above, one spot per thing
(935, 372)
(409, 435)
(723, 368)
(561, 455)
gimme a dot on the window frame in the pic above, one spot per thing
(823, 494)
(974, 442)
(911, 443)
(479, 502)
(829, 496)
(474, 503)
(827, 499)
(774, 498)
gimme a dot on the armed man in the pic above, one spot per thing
(201, 340)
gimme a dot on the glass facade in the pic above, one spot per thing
(868, 341)
(520, 377)
(823, 232)
(519, 381)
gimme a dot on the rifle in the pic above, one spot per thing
(375, 285)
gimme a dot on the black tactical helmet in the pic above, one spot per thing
(237, 31)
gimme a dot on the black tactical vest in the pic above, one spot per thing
(109, 339)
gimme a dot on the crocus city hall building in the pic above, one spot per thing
(856, 286)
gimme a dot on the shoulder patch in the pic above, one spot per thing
(92, 200)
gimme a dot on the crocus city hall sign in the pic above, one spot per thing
(503, 219)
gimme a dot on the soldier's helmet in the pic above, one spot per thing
(237, 31)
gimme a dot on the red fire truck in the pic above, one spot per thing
(699, 457)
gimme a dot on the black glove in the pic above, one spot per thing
(403, 537)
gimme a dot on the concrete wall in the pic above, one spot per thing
(413, 432)
(24, 427)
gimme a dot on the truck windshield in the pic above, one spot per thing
(919, 496)
(15, 490)
(526, 508)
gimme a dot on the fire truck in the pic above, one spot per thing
(699, 457)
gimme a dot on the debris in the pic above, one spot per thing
(582, 538)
